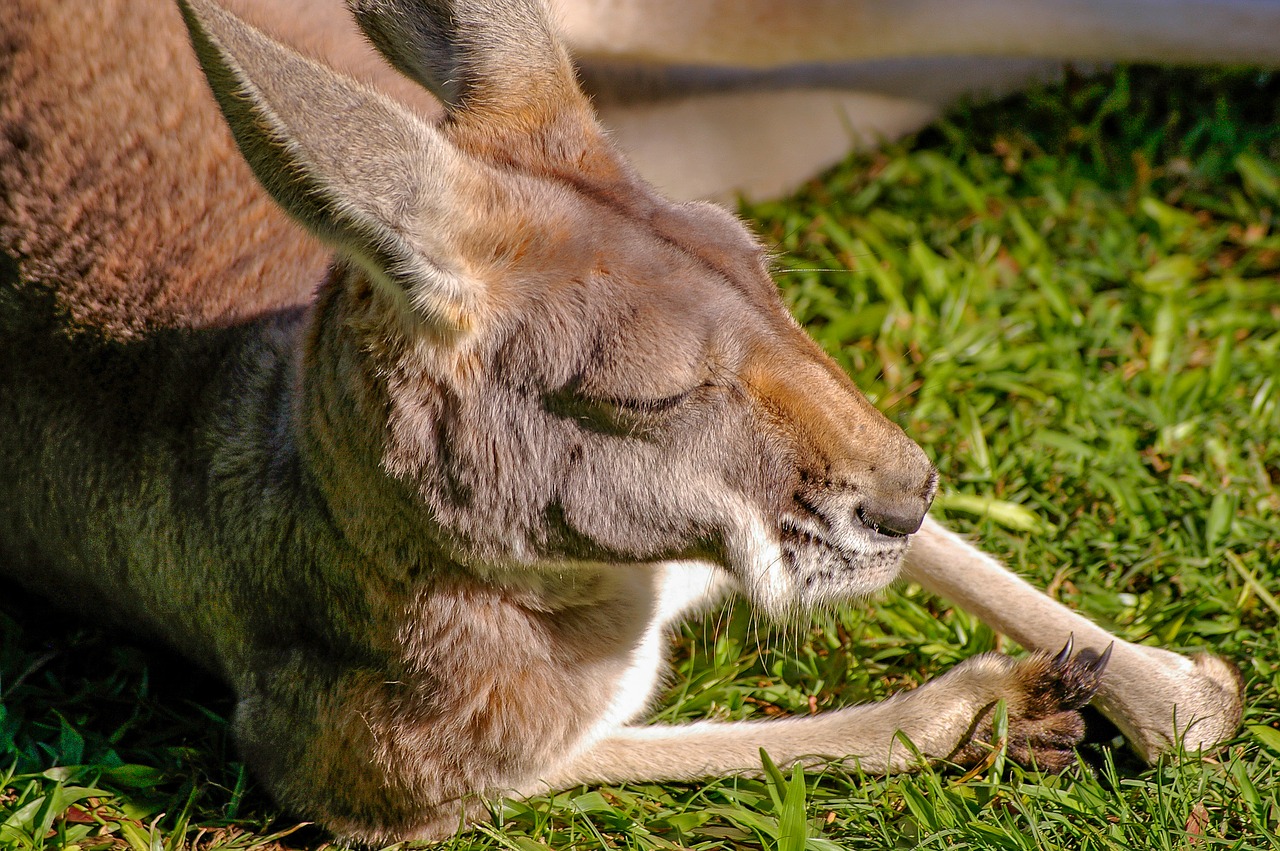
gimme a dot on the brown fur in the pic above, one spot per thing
(92, 205)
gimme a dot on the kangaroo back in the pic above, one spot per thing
(122, 188)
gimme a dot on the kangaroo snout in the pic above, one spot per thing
(855, 465)
(886, 481)
(860, 486)
(890, 504)
(895, 512)
(895, 501)
(893, 516)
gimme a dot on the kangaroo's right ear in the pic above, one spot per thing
(355, 168)
(504, 77)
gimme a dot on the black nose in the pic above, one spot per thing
(898, 514)
(896, 522)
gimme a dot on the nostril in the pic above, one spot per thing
(893, 521)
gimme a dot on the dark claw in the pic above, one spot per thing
(1064, 655)
(1097, 663)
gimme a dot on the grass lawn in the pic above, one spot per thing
(1071, 300)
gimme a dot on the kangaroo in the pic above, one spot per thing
(428, 506)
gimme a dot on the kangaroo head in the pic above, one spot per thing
(576, 369)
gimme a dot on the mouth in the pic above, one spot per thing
(829, 565)
(802, 562)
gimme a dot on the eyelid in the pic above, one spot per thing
(665, 403)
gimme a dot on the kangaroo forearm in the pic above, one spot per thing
(949, 717)
(945, 564)
(707, 749)
(1154, 696)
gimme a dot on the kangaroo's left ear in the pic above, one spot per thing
(356, 169)
(505, 79)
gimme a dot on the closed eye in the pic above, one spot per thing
(619, 415)
(664, 403)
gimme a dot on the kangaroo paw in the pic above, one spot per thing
(1043, 696)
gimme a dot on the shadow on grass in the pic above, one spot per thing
(97, 707)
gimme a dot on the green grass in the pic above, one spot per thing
(1071, 301)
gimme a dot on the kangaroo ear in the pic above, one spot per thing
(504, 77)
(353, 167)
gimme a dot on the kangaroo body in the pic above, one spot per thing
(148, 375)
(427, 507)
